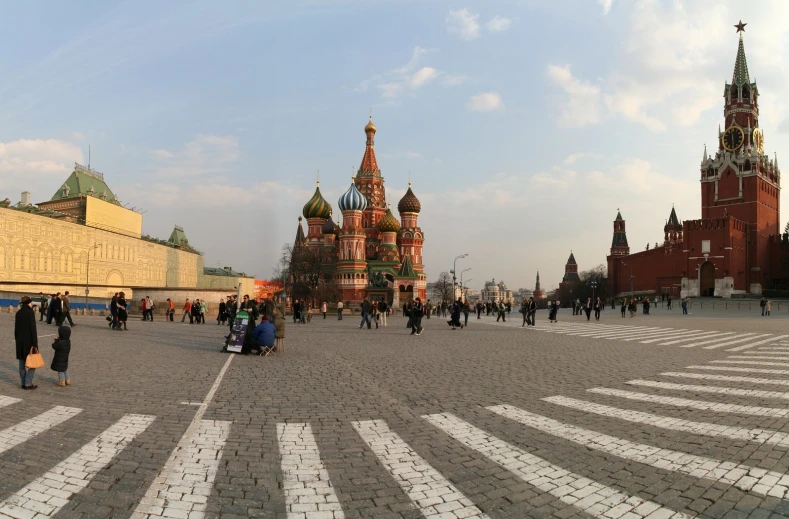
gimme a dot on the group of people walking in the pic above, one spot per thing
(55, 307)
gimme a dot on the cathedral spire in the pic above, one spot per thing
(704, 158)
(369, 166)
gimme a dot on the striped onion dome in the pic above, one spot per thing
(388, 223)
(409, 203)
(330, 227)
(353, 200)
(317, 207)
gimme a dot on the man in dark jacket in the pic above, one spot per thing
(57, 310)
(367, 310)
(26, 338)
(416, 317)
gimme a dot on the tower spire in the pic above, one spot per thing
(369, 166)
(740, 75)
(704, 158)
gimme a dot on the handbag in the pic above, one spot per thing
(34, 359)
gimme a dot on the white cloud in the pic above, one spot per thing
(422, 76)
(464, 23)
(581, 105)
(485, 102)
(498, 24)
(407, 79)
(25, 164)
(606, 5)
(575, 157)
(207, 154)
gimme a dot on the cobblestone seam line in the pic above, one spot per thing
(23, 431)
(46, 495)
(585, 494)
(433, 493)
(744, 477)
(674, 424)
(305, 481)
(693, 404)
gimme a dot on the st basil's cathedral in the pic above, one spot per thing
(372, 251)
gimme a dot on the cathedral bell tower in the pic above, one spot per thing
(371, 184)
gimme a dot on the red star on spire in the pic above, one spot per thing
(740, 26)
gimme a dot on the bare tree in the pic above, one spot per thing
(301, 274)
(444, 286)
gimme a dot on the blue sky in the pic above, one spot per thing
(524, 124)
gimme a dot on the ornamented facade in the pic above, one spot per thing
(371, 249)
(735, 247)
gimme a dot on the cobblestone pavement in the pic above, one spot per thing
(656, 416)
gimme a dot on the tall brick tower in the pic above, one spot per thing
(370, 182)
(672, 232)
(352, 262)
(740, 180)
(619, 246)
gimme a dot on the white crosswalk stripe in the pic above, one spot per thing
(742, 336)
(185, 482)
(689, 335)
(305, 481)
(432, 492)
(8, 400)
(13, 436)
(674, 424)
(738, 341)
(751, 362)
(45, 496)
(744, 477)
(703, 336)
(761, 352)
(755, 357)
(692, 404)
(663, 333)
(748, 346)
(583, 493)
(727, 378)
(742, 370)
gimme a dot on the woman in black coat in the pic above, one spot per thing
(26, 337)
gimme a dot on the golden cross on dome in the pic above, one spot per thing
(740, 26)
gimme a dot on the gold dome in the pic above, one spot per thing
(370, 126)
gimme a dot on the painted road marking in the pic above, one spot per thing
(755, 357)
(8, 400)
(23, 431)
(725, 378)
(305, 481)
(583, 493)
(185, 481)
(751, 362)
(747, 346)
(45, 496)
(693, 334)
(743, 370)
(665, 333)
(707, 336)
(744, 477)
(728, 343)
(692, 404)
(432, 492)
(743, 336)
(674, 424)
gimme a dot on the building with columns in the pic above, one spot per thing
(370, 250)
(736, 245)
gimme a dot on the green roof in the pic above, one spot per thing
(226, 271)
(178, 237)
(85, 182)
(740, 74)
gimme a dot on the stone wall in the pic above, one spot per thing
(41, 251)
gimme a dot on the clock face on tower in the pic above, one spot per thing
(758, 140)
(733, 138)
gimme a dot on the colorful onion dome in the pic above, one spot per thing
(409, 203)
(317, 207)
(388, 223)
(330, 227)
(370, 126)
(353, 199)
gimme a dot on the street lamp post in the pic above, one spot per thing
(631, 277)
(464, 287)
(461, 278)
(87, 275)
(454, 270)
